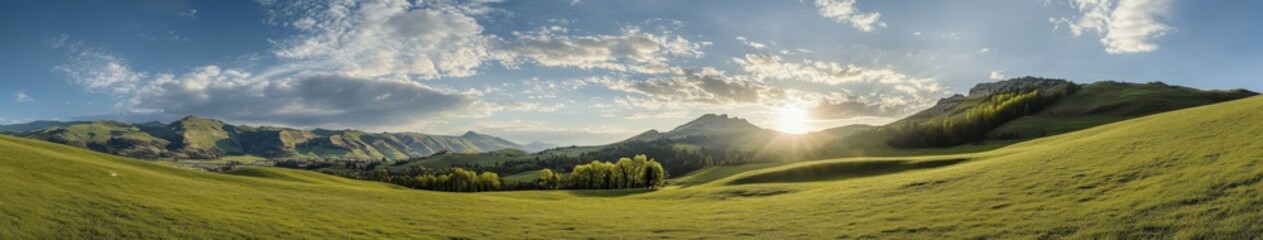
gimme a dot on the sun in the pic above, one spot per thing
(791, 119)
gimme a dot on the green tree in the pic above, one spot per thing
(488, 181)
(545, 179)
(655, 176)
(580, 176)
(626, 171)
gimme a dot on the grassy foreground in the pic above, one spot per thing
(1192, 173)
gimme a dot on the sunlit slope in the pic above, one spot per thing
(57, 192)
(1105, 102)
(1187, 174)
(1190, 173)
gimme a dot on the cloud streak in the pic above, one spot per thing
(21, 97)
(845, 11)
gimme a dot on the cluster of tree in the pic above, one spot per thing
(313, 164)
(974, 124)
(681, 160)
(548, 179)
(459, 180)
(637, 172)
(445, 179)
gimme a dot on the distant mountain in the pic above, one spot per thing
(537, 146)
(202, 138)
(720, 134)
(23, 127)
(710, 125)
(488, 142)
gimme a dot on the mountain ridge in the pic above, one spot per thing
(194, 137)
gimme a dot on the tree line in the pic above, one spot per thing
(459, 180)
(637, 172)
(682, 160)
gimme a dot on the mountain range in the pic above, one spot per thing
(201, 138)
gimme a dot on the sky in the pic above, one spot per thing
(586, 71)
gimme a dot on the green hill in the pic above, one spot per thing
(1104, 102)
(1190, 174)
(958, 123)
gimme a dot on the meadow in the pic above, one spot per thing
(1189, 174)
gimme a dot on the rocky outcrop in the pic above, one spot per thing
(1014, 85)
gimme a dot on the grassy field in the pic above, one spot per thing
(527, 176)
(1192, 173)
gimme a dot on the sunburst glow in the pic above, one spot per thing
(792, 119)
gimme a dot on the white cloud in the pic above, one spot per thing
(359, 63)
(430, 40)
(998, 75)
(752, 44)
(1125, 26)
(21, 97)
(769, 82)
(309, 99)
(892, 91)
(97, 70)
(706, 86)
(775, 68)
(630, 51)
(191, 14)
(844, 11)
(304, 100)
(984, 50)
(387, 38)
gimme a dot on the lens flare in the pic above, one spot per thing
(792, 119)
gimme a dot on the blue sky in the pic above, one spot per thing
(587, 72)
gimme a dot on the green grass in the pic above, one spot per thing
(840, 169)
(710, 174)
(1192, 173)
(527, 176)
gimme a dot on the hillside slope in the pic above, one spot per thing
(1191, 173)
(996, 114)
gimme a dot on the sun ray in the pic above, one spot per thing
(792, 119)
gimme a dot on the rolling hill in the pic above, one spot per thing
(1185, 174)
(201, 138)
(1069, 107)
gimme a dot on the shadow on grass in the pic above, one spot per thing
(842, 170)
(609, 192)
